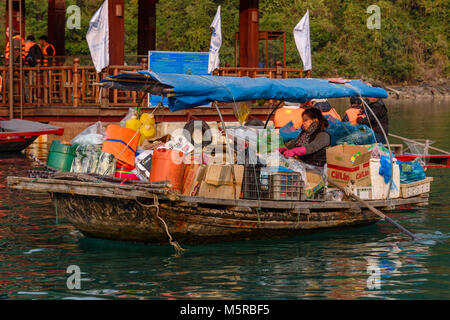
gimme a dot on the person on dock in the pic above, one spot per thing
(354, 112)
(33, 52)
(326, 109)
(18, 48)
(379, 109)
(310, 144)
(48, 50)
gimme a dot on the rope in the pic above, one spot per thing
(155, 204)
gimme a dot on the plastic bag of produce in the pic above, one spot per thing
(94, 134)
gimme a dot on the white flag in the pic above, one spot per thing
(303, 41)
(98, 37)
(216, 42)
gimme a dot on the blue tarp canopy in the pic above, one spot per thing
(190, 91)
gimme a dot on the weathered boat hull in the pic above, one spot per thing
(130, 213)
(127, 220)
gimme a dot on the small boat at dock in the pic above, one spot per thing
(17, 134)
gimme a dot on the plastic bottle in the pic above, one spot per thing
(133, 123)
(144, 118)
(147, 132)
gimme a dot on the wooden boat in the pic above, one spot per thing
(17, 134)
(151, 213)
(130, 213)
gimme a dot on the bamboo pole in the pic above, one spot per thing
(414, 141)
(374, 210)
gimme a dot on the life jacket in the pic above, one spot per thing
(16, 48)
(46, 55)
(327, 109)
(284, 115)
(332, 112)
(353, 115)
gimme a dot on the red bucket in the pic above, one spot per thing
(125, 172)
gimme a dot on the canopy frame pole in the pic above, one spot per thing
(11, 70)
(271, 113)
(366, 106)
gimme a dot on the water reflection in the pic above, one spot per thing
(35, 251)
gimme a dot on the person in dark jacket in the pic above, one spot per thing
(33, 52)
(311, 143)
(379, 109)
(327, 109)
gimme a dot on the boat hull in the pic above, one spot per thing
(134, 213)
(127, 220)
(15, 145)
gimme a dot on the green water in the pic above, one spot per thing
(35, 252)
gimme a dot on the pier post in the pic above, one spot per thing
(39, 81)
(76, 82)
(56, 25)
(249, 33)
(146, 26)
(116, 32)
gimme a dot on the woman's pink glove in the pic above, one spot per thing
(282, 150)
(300, 151)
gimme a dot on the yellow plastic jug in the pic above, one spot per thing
(147, 132)
(133, 124)
(146, 116)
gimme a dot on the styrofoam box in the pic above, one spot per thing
(379, 188)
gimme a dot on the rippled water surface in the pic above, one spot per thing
(36, 247)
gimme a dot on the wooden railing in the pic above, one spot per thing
(73, 85)
(65, 86)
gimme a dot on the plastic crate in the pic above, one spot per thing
(255, 186)
(415, 188)
(287, 186)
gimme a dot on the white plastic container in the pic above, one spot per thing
(379, 188)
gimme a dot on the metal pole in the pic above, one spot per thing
(21, 66)
(11, 69)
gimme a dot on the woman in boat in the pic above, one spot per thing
(310, 144)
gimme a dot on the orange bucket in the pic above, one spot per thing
(122, 143)
(165, 168)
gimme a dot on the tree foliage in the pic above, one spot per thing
(412, 44)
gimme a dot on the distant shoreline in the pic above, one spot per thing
(419, 92)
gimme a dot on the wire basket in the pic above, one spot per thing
(256, 185)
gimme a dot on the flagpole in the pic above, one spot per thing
(11, 70)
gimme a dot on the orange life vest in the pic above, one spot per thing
(46, 55)
(353, 115)
(284, 115)
(332, 112)
(22, 49)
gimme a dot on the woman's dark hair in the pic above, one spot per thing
(314, 113)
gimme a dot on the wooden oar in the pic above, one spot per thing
(374, 210)
(414, 141)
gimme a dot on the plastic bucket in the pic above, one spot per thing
(125, 172)
(122, 143)
(164, 168)
(61, 155)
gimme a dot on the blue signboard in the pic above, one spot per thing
(176, 62)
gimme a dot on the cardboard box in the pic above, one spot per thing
(218, 182)
(349, 164)
(314, 184)
(194, 174)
